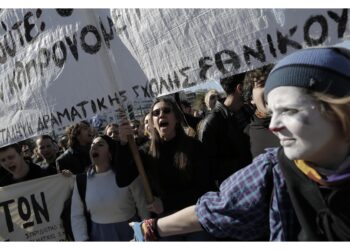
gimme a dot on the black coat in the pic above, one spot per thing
(224, 140)
(260, 135)
(77, 160)
(176, 188)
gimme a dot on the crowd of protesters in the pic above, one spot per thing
(267, 161)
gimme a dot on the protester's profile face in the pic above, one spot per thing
(86, 134)
(212, 100)
(164, 120)
(13, 162)
(99, 150)
(113, 132)
(148, 125)
(27, 152)
(46, 148)
(304, 133)
(258, 98)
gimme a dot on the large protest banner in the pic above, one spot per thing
(59, 66)
(180, 48)
(30, 211)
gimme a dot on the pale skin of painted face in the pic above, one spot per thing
(304, 133)
(164, 123)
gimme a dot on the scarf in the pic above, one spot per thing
(323, 212)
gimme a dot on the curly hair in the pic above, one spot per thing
(74, 131)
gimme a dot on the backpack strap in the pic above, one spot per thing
(81, 184)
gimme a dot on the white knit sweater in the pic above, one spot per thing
(106, 202)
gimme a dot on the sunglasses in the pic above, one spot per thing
(165, 110)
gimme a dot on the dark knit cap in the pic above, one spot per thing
(325, 70)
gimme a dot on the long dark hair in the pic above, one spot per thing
(181, 156)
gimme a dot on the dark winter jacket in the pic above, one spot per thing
(224, 140)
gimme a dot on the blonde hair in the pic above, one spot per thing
(336, 109)
(207, 97)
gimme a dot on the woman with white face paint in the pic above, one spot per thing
(299, 191)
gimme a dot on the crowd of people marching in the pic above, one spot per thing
(269, 161)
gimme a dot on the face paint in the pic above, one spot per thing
(303, 132)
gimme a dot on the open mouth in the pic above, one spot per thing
(94, 155)
(163, 124)
(12, 168)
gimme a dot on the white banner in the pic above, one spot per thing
(59, 67)
(30, 211)
(180, 48)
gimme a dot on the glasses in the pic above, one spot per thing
(165, 110)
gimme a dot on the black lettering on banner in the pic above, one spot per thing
(19, 68)
(54, 120)
(11, 82)
(24, 211)
(20, 75)
(93, 106)
(28, 27)
(38, 14)
(43, 64)
(186, 82)
(59, 61)
(284, 41)
(271, 46)
(145, 91)
(16, 27)
(100, 104)
(41, 125)
(73, 113)
(112, 100)
(3, 56)
(162, 83)
(107, 36)
(204, 67)
(82, 105)
(40, 209)
(30, 65)
(134, 88)
(153, 86)
(73, 45)
(2, 92)
(321, 20)
(176, 82)
(258, 54)
(64, 12)
(122, 94)
(9, 223)
(64, 115)
(90, 49)
(233, 60)
(10, 51)
(340, 20)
